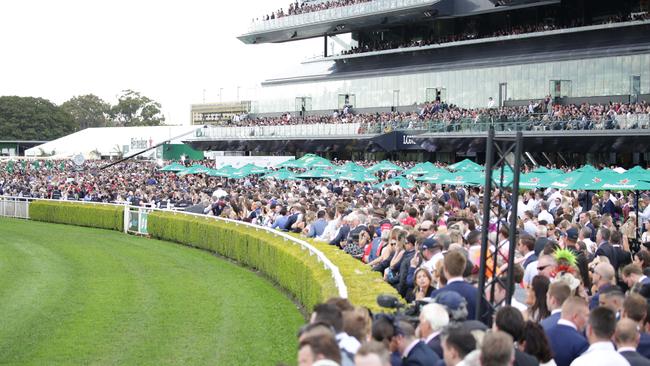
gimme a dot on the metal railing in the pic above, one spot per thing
(337, 13)
(135, 222)
(532, 122)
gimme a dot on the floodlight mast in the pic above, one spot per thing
(152, 147)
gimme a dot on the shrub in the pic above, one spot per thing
(282, 261)
(81, 214)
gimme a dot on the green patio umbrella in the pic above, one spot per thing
(384, 165)
(465, 179)
(357, 177)
(349, 167)
(173, 167)
(423, 168)
(317, 173)
(579, 179)
(542, 169)
(638, 170)
(224, 171)
(435, 177)
(536, 179)
(586, 168)
(282, 174)
(619, 182)
(195, 169)
(291, 164)
(253, 169)
(314, 161)
(403, 182)
(466, 165)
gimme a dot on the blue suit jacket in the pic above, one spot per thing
(567, 344)
(644, 345)
(470, 293)
(421, 355)
(550, 321)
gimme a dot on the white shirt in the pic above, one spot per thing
(518, 305)
(347, 342)
(600, 353)
(219, 193)
(530, 271)
(544, 215)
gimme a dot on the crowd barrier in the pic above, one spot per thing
(302, 267)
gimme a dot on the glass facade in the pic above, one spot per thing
(469, 87)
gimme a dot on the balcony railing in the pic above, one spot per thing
(372, 7)
(536, 122)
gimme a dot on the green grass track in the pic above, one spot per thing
(78, 296)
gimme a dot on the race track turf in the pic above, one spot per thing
(78, 296)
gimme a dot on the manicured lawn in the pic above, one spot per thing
(73, 296)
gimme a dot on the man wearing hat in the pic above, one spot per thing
(429, 248)
(571, 243)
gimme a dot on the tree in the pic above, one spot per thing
(27, 118)
(88, 111)
(134, 109)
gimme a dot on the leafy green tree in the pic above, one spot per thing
(28, 118)
(88, 111)
(134, 109)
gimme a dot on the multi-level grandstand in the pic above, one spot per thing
(430, 77)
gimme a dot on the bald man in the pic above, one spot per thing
(565, 337)
(602, 278)
(627, 339)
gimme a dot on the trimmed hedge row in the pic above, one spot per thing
(286, 263)
(363, 283)
(80, 214)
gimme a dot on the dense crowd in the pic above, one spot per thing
(438, 115)
(310, 7)
(581, 288)
(471, 34)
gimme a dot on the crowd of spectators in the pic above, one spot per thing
(440, 116)
(296, 8)
(581, 288)
(471, 33)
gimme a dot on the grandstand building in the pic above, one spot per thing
(394, 54)
(384, 56)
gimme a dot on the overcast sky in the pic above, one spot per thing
(168, 50)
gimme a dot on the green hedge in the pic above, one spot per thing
(284, 262)
(363, 284)
(81, 214)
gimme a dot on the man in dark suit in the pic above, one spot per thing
(510, 320)
(605, 248)
(634, 278)
(565, 338)
(433, 319)
(414, 352)
(627, 339)
(342, 234)
(556, 295)
(453, 268)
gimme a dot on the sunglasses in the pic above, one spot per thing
(423, 229)
(541, 268)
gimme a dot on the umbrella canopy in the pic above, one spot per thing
(314, 161)
(537, 179)
(403, 182)
(637, 169)
(619, 182)
(434, 177)
(291, 164)
(423, 168)
(586, 168)
(579, 179)
(282, 174)
(357, 177)
(466, 179)
(383, 166)
(195, 169)
(542, 169)
(317, 173)
(173, 167)
(224, 171)
(349, 167)
(466, 166)
(253, 169)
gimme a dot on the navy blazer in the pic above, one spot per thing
(635, 358)
(470, 293)
(550, 321)
(567, 344)
(421, 355)
(644, 345)
(435, 345)
(529, 260)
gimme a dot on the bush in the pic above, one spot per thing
(81, 214)
(285, 263)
